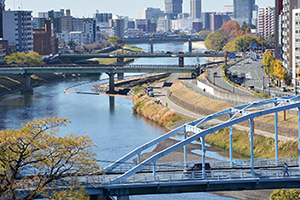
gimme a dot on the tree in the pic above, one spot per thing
(35, 157)
(231, 29)
(216, 40)
(268, 61)
(204, 34)
(20, 59)
(115, 41)
(278, 71)
(271, 38)
(292, 194)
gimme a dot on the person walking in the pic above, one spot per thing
(285, 170)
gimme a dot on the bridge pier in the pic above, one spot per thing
(111, 89)
(190, 46)
(203, 157)
(27, 89)
(151, 46)
(120, 63)
(122, 197)
(181, 61)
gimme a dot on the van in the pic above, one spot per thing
(196, 170)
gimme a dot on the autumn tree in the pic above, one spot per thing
(20, 59)
(216, 40)
(268, 61)
(278, 71)
(283, 194)
(204, 34)
(231, 29)
(35, 157)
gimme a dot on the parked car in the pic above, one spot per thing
(283, 89)
(251, 87)
(195, 170)
(270, 85)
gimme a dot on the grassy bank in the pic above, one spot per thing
(153, 110)
(263, 147)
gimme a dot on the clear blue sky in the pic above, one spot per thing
(120, 7)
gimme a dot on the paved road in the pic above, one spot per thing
(161, 93)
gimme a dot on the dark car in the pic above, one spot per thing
(195, 170)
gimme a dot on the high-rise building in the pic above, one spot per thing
(296, 45)
(151, 14)
(206, 20)
(243, 10)
(287, 32)
(17, 29)
(266, 21)
(118, 24)
(173, 8)
(195, 9)
(216, 22)
(2, 8)
(66, 22)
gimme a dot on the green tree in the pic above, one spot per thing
(216, 40)
(204, 34)
(115, 41)
(35, 157)
(271, 38)
(182, 35)
(292, 194)
(20, 59)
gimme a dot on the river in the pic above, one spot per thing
(109, 121)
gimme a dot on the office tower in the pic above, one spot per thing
(243, 10)
(195, 9)
(173, 8)
(266, 21)
(206, 20)
(216, 22)
(66, 22)
(17, 29)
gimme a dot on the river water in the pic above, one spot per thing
(109, 121)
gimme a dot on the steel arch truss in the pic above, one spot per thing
(210, 124)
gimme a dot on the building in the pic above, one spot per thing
(287, 34)
(102, 19)
(118, 24)
(228, 10)
(173, 8)
(151, 14)
(195, 9)
(206, 20)
(17, 29)
(266, 21)
(164, 24)
(187, 25)
(2, 8)
(66, 22)
(243, 10)
(216, 22)
(296, 45)
(43, 41)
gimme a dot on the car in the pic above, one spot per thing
(270, 85)
(251, 87)
(195, 170)
(283, 89)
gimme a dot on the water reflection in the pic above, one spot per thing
(112, 104)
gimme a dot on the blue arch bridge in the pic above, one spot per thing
(151, 177)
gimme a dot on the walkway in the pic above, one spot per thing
(160, 91)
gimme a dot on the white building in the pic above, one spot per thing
(296, 44)
(164, 24)
(152, 14)
(266, 21)
(184, 25)
(17, 29)
(287, 32)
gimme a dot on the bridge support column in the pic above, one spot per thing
(276, 138)
(190, 46)
(27, 89)
(111, 83)
(181, 61)
(122, 197)
(154, 171)
(184, 149)
(151, 46)
(230, 147)
(203, 157)
(251, 145)
(299, 138)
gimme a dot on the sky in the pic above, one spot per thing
(86, 8)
